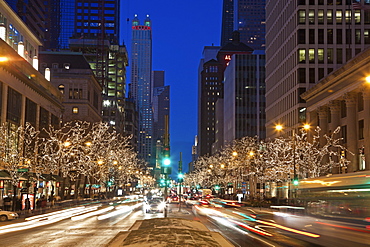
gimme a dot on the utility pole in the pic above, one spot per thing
(166, 161)
(180, 179)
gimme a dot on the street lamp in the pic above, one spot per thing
(367, 79)
(305, 127)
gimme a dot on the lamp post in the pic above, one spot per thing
(295, 175)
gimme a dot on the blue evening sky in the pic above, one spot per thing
(180, 31)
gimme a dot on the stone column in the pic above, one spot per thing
(366, 95)
(335, 122)
(352, 133)
(323, 123)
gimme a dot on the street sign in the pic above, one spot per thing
(23, 170)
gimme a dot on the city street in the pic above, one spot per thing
(99, 229)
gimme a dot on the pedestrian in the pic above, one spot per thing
(1, 203)
(27, 205)
(43, 204)
(38, 203)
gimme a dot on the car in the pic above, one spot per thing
(154, 206)
(8, 215)
(173, 199)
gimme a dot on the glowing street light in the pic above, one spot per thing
(367, 79)
(279, 127)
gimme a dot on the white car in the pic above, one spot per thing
(7, 215)
(154, 206)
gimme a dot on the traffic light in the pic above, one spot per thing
(217, 187)
(166, 161)
(162, 182)
(180, 177)
(295, 181)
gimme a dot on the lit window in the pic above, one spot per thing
(302, 55)
(61, 88)
(311, 55)
(75, 110)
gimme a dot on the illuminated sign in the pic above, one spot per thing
(227, 59)
(141, 28)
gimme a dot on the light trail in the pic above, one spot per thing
(84, 216)
(119, 210)
(344, 227)
(312, 235)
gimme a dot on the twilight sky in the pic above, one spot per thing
(180, 31)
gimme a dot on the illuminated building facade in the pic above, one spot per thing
(305, 42)
(343, 99)
(25, 94)
(96, 35)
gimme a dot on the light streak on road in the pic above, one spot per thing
(42, 220)
(57, 213)
(227, 223)
(84, 216)
(252, 229)
(119, 210)
(308, 234)
(344, 227)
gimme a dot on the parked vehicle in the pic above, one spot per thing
(8, 215)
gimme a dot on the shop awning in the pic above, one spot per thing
(51, 177)
(4, 175)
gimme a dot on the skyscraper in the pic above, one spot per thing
(210, 90)
(161, 109)
(96, 35)
(307, 40)
(244, 97)
(141, 84)
(247, 17)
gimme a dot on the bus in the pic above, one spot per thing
(340, 194)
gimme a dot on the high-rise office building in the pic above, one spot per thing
(244, 97)
(96, 35)
(247, 17)
(141, 85)
(161, 109)
(210, 90)
(306, 40)
(160, 104)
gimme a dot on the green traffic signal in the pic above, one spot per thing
(295, 181)
(166, 162)
(180, 175)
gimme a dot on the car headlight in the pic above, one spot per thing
(12, 214)
(162, 205)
